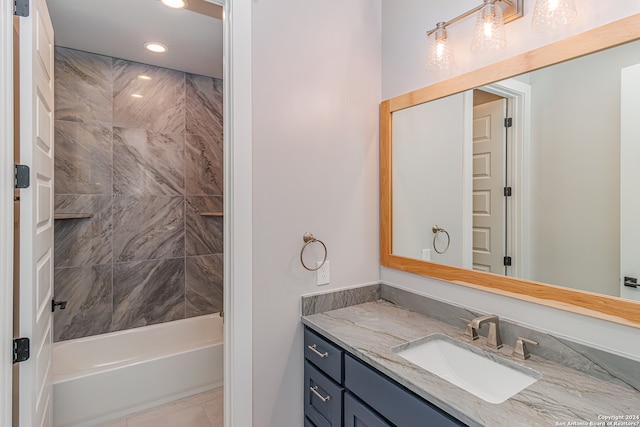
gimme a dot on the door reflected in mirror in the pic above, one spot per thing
(535, 197)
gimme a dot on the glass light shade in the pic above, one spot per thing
(489, 33)
(439, 51)
(551, 14)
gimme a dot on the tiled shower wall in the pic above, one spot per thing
(140, 148)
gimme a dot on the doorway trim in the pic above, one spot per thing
(519, 139)
(6, 210)
(238, 242)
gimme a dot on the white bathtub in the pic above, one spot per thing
(103, 377)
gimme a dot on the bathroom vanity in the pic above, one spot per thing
(338, 386)
(356, 375)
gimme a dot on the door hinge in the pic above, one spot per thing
(631, 282)
(21, 176)
(20, 350)
(21, 7)
(508, 122)
(507, 191)
(507, 261)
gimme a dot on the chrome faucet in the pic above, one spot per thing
(493, 339)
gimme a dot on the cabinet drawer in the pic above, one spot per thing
(322, 398)
(392, 401)
(357, 414)
(324, 354)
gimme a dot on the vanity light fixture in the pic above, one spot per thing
(155, 47)
(551, 14)
(176, 4)
(488, 35)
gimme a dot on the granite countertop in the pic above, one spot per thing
(564, 396)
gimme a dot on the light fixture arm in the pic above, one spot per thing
(464, 15)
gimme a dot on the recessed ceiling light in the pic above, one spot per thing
(155, 47)
(136, 95)
(144, 77)
(176, 4)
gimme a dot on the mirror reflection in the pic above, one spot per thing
(524, 176)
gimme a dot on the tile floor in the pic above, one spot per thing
(201, 410)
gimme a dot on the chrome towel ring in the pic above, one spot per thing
(308, 239)
(437, 230)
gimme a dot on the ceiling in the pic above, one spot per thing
(119, 28)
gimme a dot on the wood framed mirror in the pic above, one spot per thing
(611, 308)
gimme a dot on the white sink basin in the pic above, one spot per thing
(483, 374)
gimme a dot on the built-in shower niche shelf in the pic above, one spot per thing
(72, 215)
(211, 214)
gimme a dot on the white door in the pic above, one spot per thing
(488, 186)
(630, 180)
(36, 213)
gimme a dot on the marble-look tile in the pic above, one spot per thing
(152, 103)
(147, 292)
(204, 165)
(83, 158)
(204, 281)
(148, 227)
(147, 163)
(204, 106)
(83, 86)
(87, 291)
(312, 304)
(204, 235)
(84, 241)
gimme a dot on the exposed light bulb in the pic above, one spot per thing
(176, 4)
(488, 29)
(552, 14)
(489, 33)
(439, 52)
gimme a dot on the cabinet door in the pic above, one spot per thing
(356, 414)
(392, 401)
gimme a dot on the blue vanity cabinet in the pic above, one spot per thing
(392, 401)
(323, 377)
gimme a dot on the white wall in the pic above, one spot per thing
(427, 179)
(403, 53)
(575, 171)
(316, 80)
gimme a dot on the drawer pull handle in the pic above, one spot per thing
(315, 391)
(315, 350)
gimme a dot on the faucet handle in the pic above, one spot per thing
(470, 332)
(520, 350)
